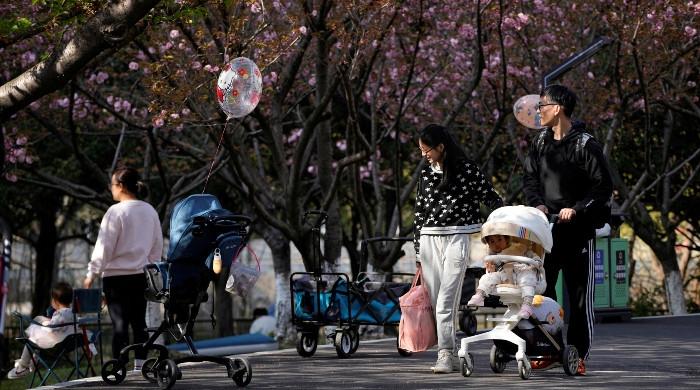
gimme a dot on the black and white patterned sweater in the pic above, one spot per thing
(456, 208)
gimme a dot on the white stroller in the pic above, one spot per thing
(538, 337)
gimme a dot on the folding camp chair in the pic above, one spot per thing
(74, 349)
(87, 313)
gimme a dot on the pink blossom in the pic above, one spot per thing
(196, 65)
(159, 122)
(523, 18)
(27, 58)
(508, 41)
(312, 81)
(255, 8)
(133, 65)
(174, 34)
(185, 111)
(11, 177)
(175, 115)
(63, 102)
(302, 30)
(691, 84)
(312, 169)
(166, 47)
(294, 136)
(101, 77)
(21, 140)
(590, 75)
(690, 32)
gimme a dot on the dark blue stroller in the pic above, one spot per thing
(198, 226)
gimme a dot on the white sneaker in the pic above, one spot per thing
(446, 362)
(18, 371)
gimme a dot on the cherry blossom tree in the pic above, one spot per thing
(346, 87)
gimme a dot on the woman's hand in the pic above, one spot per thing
(489, 266)
(87, 283)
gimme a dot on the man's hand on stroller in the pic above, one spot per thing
(566, 215)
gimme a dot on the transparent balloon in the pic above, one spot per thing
(239, 87)
(525, 111)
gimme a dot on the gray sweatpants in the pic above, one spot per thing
(444, 258)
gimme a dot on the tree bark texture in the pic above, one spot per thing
(111, 28)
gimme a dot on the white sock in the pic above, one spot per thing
(138, 363)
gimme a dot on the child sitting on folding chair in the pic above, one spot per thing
(47, 332)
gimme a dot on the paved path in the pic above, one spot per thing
(644, 353)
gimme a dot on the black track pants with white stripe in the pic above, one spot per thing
(572, 253)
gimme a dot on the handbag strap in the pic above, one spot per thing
(250, 250)
(418, 279)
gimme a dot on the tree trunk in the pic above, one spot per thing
(45, 254)
(674, 293)
(281, 259)
(113, 27)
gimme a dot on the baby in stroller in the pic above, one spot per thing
(530, 329)
(529, 276)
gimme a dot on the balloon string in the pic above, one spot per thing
(211, 167)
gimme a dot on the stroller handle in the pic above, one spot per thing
(510, 259)
(231, 220)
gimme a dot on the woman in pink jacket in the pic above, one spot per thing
(130, 237)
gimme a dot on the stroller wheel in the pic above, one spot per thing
(148, 370)
(167, 373)
(307, 343)
(497, 360)
(242, 372)
(343, 344)
(113, 372)
(466, 365)
(524, 368)
(355, 336)
(570, 359)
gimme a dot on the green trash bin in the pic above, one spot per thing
(610, 278)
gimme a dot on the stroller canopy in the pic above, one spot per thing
(524, 222)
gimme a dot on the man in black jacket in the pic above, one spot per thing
(566, 173)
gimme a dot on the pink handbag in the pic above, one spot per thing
(417, 325)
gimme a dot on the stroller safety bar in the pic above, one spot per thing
(510, 259)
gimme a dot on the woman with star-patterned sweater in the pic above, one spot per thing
(450, 191)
